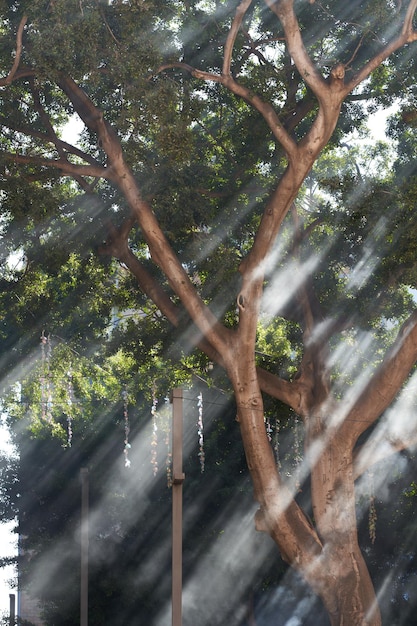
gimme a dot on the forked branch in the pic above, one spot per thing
(407, 35)
(408, 30)
(19, 47)
(231, 38)
(117, 246)
(47, 139)
(53, 137)
(161, 251)
(284, 10)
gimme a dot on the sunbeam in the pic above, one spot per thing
(192, 199)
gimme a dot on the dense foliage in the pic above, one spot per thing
(214, 199)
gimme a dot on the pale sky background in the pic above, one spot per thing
(7, 542)
(7, 538)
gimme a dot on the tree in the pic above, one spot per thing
(201, 114)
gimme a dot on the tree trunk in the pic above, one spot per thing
(348, 595)
(327, 555)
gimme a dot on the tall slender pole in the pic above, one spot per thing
(177, 481)
(12, 618)
(84, 547)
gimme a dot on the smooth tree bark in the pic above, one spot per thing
(325, 551)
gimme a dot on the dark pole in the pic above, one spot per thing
(177, 481)
(84, 547)
(12, 599)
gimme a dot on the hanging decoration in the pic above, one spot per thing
(275, 443)
(69, 409)
(168, 459)
(127, 428)
(46, 383)
(154, 441)
(200, 426)
(372, 518)
(268, 428)
(297, 452)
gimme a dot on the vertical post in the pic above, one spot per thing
(12, 599)
(84, 547)
(177, 481)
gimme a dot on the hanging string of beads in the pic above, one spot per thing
(42, 377)
(372, 518)
(46, 383)
(70, 402)
(297, 451)
(200, 426)
(154, 441)
(168, 459)
(268, 428)
(275, 444)
(127, 445)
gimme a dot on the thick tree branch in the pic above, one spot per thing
(264, 108)
(167, 260)
(252, 268)
(231, 38)
(291, 393)
(279, 514)
(67, 168)
(407, 35)
(284, 9)
(299, 112)
(275, 211)
(93, 118)
(314, 372)
(387, 380)
(11, 75)
(268, 113)
(377, 449)
(117, 245)
(46, 138)
(159, 246)
(295, 394)
(52, 136)
(226, 79)
(408, 30)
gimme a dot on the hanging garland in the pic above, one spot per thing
(168, 459)
(297, 452)
(69, 409)
(200, 426)
(372, 518)
(46, 383)
(154, 440)
(276, 444)
(127, 445)
(47, 405)
(268, 428)
(273, 433)
(47, 401)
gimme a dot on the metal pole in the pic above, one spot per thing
(177, 481)
(12, 599)
(84, 547)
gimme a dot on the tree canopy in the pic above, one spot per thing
(219, 213)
